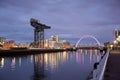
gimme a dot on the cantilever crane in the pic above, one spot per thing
(38, 33)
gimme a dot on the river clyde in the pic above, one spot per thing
(75, 65)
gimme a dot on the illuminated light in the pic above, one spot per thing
(1, 43)
(111, 46)
(119, 37)
(46, 45)
(115, 42)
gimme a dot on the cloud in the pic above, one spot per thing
(67, 18)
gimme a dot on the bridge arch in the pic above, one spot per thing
(87, 36)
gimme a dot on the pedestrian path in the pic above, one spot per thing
(112, 71)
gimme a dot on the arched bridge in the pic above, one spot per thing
(98, 45)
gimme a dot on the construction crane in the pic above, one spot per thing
(38, 32)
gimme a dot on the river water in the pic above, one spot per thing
(49, 66)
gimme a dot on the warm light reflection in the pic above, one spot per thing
(86, 51)
(96, 52)
(13, 64)
(49, 63)
(54, 63)
(37, 59)
(65, 56)
(46, 61)
(91, 53)
(31, 58)
(52, 60)
(83, 58)
(78, 57)
(81, 51)
(19, 61)
(94, 55)
(1, 62)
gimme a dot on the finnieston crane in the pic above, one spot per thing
(38, 32)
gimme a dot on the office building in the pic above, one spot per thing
(116, 33)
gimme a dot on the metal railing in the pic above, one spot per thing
(99, 68)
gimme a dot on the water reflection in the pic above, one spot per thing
(19, 61)
(49, 66)
(13, 63)
(38, 66)
(47, 62)
(54, 60)
(1, 62)
(93, 55)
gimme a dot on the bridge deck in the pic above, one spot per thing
(113, 66)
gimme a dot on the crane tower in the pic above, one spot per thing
(38, 33)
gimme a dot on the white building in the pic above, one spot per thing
(54, 42)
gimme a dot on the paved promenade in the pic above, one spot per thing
(113, 66)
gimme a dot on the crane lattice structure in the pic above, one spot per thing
(38, 33)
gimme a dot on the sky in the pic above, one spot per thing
(69, 19)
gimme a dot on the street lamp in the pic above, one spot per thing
(115, 42)
(119, 37)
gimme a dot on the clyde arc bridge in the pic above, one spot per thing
(95, 46)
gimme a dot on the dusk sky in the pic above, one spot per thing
(70, 19)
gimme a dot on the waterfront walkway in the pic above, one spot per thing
(112, 71)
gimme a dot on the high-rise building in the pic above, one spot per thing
(2, 39)
(116, 33)
(54, 38)
(54, 42)
(117, 37)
